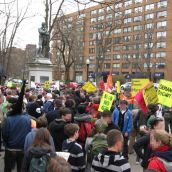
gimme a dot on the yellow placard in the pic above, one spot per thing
(89, 87)
(137, 85)
(118, 87)
(165, 93)
(106, 101)
(46, 84)
(150, 94)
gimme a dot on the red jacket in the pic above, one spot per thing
(156, 163)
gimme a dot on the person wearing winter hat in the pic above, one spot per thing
(54, 114)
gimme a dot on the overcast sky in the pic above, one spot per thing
(28, 30)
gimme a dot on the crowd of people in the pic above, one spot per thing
(36, 126)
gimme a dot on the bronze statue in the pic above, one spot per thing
(43, 39)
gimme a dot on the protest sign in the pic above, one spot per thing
(137, 85)
(89, 87)
(140, 100)
(165, 93)
(150, 94)
(106, 101)
(46, 84)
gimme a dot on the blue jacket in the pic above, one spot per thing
(14, 130)
(128, 120)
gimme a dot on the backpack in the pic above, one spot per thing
(97, 145)
(84, 131)
(39, 164)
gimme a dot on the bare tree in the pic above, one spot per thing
(9, 29)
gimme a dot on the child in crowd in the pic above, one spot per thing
(76, 158)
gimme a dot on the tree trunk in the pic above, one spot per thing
(67, 75)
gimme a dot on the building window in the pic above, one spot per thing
(149, 26)
(94, 12)
(148, 55)
(161, 55)
(101, 18)
(91, 50)
(149, 7)
(107, 65)
(161, 44)
(118, 14)
(91, 43)
(117, 48)
(127, 20)
(137, 46)
(137, 37)
(126, 56)
(92, 66)
(127, 38)
(101, 10)
(128, 12)
(127, 47)
(125, 65)
(161, 25)
(137, 56)
(138, 19)
(128, 3)
(148, 65)
(138, 1)
(127, 29)
(162, 14)
(117, 31)
(117, 40)
(93, 20)
(138, 9)
(149, 16)
(119, 5)
(116, 56)
(149, 36)
(160, 65)
(92, 58)
(116, 65)
(137, 28)
(108, 57)
(149, 45)
(109, 16)
(161, 34)
(162, 4)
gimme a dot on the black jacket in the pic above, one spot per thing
(141, 144)
(56, 129)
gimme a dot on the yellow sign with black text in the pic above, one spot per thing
(165, 93)
(89, 87)
(106, 101)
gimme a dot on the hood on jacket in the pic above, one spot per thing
(38, 152)
(167, 155)
(105, 158)
(57, 124)
(83, 118)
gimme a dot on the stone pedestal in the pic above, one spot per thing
(40, 70)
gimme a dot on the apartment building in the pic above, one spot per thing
(129, 37)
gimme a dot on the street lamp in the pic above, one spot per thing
(87, 63)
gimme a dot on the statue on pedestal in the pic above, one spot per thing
(43, 39)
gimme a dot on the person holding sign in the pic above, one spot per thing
(122, 117)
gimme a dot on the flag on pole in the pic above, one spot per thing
(109, 85)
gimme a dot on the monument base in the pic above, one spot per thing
(40, 70)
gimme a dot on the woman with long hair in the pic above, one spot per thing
(40, 151)
(161, 143)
